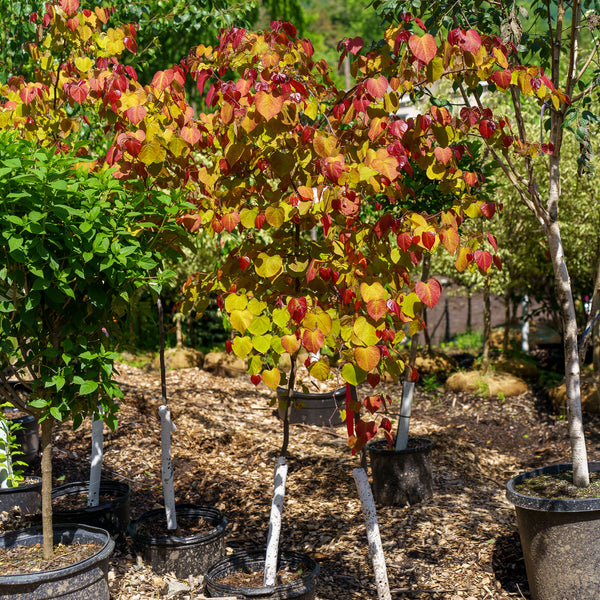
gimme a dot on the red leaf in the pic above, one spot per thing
(488, 209)
(483, 259)
(243, 262)
(424, 48)
(429, 293)
(79, 92)
(27, 94)
(313, 340)
(493, 242)
(228, 346)
(470, 41)
(365, 431)
(372, 403)
(404, 241)
(130, 44)
(428, 239)
(69, 6)
(498, 262)
(502, 78)
(487, 128)
(255, 379)
(373, 379)
(394, 308)
(297, 308)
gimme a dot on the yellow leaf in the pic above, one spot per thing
(364, 331)
(260, 325)
(267, 266)
(235, 302)
(267, 105)
(410, 304)
(152, 152)
(84, 63)
(262, 343)
(241, 319)
(375, 291)
(271, 378)
(242, 346)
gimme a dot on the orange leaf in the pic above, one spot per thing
(377, 308)
(429, 293)
(377, 87)
(162, 80)
(325, 145)
(424, 48)
(69, 6)
(230, 220)
(450, 239)
(463, 259)
(28, 93)
(191, 135)
(367, 358)
(313, 340)
(135, 114)
(375, 291)
(290, 343)
(267, 105)
(444, 155)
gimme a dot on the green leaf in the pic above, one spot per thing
(38, 403)
(55, 412)
(87, 387)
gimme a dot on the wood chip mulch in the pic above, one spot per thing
(460, 544)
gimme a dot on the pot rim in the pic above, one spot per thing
(426, 445)
(298, 395)
(550, 504)
(122, 493)
(42, 576)
(174, 540)
(257, 557)
(24, 487)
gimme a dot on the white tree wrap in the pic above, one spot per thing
(408, 388)
(373, 537)
(166, 427)
(275, 522)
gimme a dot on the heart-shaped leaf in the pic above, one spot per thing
(424, 48)
(429, 293)
(367, 358)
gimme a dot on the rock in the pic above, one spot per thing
(590, 397)
(517, 367)
(180, 358)
(493, 383)
(432, 362)
(224, 365)
(175, 588)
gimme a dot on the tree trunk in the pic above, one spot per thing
(506, 338)
(178, 331)
(487, 326)
(288, 411)
(572, 374)
(469, 313)
(48, 546)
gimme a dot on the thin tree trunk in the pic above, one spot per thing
(469, 313)
(288, 411)
(592, 319)
(572, 373)
(487, 327)
(178, 331)
(506, 338)
(48, 545)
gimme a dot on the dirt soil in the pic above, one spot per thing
(460, 544)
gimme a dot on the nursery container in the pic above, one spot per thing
(321, 409)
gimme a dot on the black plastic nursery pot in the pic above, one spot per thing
(28, 437)
(250, 561)
(27, 496)
(401, 477)
(112, 515)
(559, 539)
(84, 580)
(183, 556)
(321, 409)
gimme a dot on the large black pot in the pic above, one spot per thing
(28, 437)
(304, 588)
(112, 516)
(84, 580)
(183, 556)
(401, 477)
(26, 496)
(559, 539)
(321, 409)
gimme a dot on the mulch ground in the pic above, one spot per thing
(460, 544)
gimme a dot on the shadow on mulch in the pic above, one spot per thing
(509, 566)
